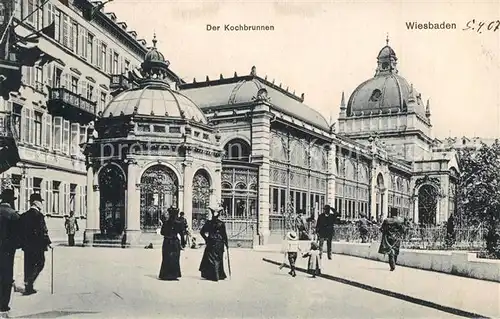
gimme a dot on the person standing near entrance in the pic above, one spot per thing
(36, 241)
(324, 229)
(184, 223)
(215, 236)
(9, 242)
(171, 231)
(392, 233)
(71, 225)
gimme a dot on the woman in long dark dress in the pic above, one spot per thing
(215, 236)
(171, 250)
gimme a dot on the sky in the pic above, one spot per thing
(325, 48)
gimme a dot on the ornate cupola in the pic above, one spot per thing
(154, 69)
(386, 60)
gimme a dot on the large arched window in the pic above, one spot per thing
(201, 197)
(237, 150)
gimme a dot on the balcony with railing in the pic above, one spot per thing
(72, 106)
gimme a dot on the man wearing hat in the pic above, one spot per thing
(9, 242)
(35, 242)
(324, 229)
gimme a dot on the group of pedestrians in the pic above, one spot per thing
(215, 236)
(392, 229)
(28, 232)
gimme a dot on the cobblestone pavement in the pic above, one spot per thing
(121, 283)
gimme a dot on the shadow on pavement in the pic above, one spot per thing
(55, 314)
(389, 293)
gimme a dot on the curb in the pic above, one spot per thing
(388, 293)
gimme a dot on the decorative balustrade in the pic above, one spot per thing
(62, 99)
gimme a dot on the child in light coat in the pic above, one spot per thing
(314, 263)
(290, 249)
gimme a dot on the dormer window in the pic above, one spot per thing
(376, 94)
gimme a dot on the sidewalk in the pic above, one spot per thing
(432, 289)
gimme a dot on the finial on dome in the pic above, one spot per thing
(154, 40)
(387, 39)
(428, 109)
(253, 72)
(302, 96)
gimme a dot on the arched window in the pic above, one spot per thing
(237, 150)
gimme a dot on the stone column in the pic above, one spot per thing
(133, 201)
(187, 192)
(92, 221)
(415, 209)
(373, 194)
(443, 202)
(261, 132)
(385, 204)
(331, 176)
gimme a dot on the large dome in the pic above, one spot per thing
(386, 92)
(154, 101)
(154, 97)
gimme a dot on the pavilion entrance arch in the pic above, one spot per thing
(159, 188)
(112, 187)
(202, 192)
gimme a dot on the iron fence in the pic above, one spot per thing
(416, 237)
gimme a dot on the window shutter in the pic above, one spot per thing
(57, 136)
(109, 65)
(66, 139)
(47, 193)
(75, 139)
(48, 131)
(66, 198)
(50, 72)
(32, 126)
(65, 38)
(95, 47)
(71, 40)
(22, 134)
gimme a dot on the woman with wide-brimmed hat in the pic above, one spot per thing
(171, 250)
(215, 236)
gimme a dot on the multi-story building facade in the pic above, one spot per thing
(279, 156)
(240, 140)
(58, 101)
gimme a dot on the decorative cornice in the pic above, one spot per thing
(76, 70)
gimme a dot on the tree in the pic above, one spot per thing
(478, 193)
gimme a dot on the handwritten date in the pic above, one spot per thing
(480, 26)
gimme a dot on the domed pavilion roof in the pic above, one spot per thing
(154, 97)
(386, 92)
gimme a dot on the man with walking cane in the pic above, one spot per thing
(35, 242)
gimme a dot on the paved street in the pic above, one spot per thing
(121, 283)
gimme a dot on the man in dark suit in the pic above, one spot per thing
(9, 242)
(35, 242)
(184, 223)
(324, 229)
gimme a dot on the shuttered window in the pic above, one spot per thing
(48, 131)
(47, 197)
(57, 139)
(66, 139)
(75, 139)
